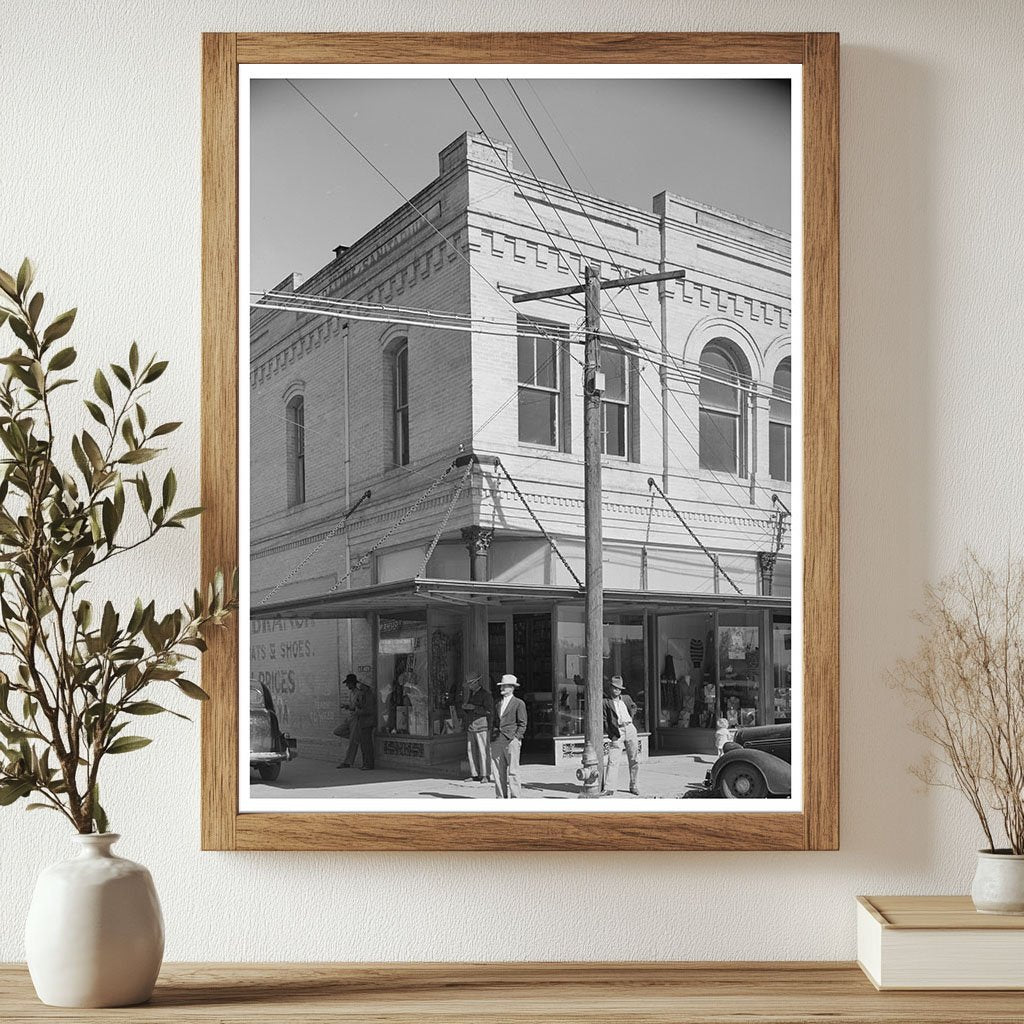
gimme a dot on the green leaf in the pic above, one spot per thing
(80, 458)
(8, 285)
(191, 690)
(144, 707)
(138, 455)
(26, 274)
(92, 449)
(145, 497)
(170, 488)
(11, 791)
(63, 359)
(155, 371)
(128, 433)
(102, 388)
(99, 816)
(185, 513)
(121, 374)
(20, 328)
(133, 357)
(95, 412)
(41, 807)
(35, 307)
(108, 626)
(165, 428)
(60, 326)
(126, 744)
(84, 614)
(109, 521)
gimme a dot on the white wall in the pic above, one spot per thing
(99, 167)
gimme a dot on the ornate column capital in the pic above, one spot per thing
(477, 539)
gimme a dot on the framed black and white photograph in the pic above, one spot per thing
(523, 515)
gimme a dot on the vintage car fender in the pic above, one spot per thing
(776, 773)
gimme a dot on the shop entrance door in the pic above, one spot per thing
(531, 664)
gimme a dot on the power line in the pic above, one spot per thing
(643, 312)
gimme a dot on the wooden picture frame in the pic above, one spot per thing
(816, 827)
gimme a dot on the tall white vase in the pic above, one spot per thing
(95, 934)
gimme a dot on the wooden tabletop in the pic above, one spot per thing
(662, 993)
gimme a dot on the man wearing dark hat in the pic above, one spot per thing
(478, 714)
(506, 739)
(619, 727)
(363, 704)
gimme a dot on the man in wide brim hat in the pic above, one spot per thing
(363, 705)
(507, 738)
(620, 728)
(478, 714)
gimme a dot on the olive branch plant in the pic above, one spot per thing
(80, 674)
(966, 683)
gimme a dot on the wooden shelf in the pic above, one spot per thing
(660, 993)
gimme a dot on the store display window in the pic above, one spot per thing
(447, 632)
(402, 663)
(739, 668)
(782, 667)
(624, 655)
(687, 694)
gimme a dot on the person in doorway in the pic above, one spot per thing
(506, 740)
(619, 727)
(363, 703)
(478, 713)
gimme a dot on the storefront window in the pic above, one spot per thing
(447, 677)
(623, 655)
(739, 667)
(687, 696)
(402, 676)
(782, 667)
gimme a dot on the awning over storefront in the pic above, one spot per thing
(408, 595)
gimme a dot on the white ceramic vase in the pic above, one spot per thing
(999, 883)
(95, 934)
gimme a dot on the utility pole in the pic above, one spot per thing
(592, 772)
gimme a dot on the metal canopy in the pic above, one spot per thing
(418, 595)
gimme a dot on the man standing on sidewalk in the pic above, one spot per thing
(506, 740)
(478, 713)
(364, 716)
(619, 727)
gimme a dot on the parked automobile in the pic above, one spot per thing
(755, 764)
(269, 748)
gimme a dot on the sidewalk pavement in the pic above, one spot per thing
(667, 776)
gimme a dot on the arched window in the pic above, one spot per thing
(780, 465)
(723, 422)
(400, 404)
(295, 417)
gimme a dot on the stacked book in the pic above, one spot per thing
(938, 942)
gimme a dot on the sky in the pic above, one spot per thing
(724, 142)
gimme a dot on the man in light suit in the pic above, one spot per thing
(506, 739)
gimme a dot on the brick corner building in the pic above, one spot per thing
(410, 374)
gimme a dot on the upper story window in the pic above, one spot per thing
(780, 452)
(724, 375)
(400, 404)
(543, 406)
(295, 417)
(619, 404)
